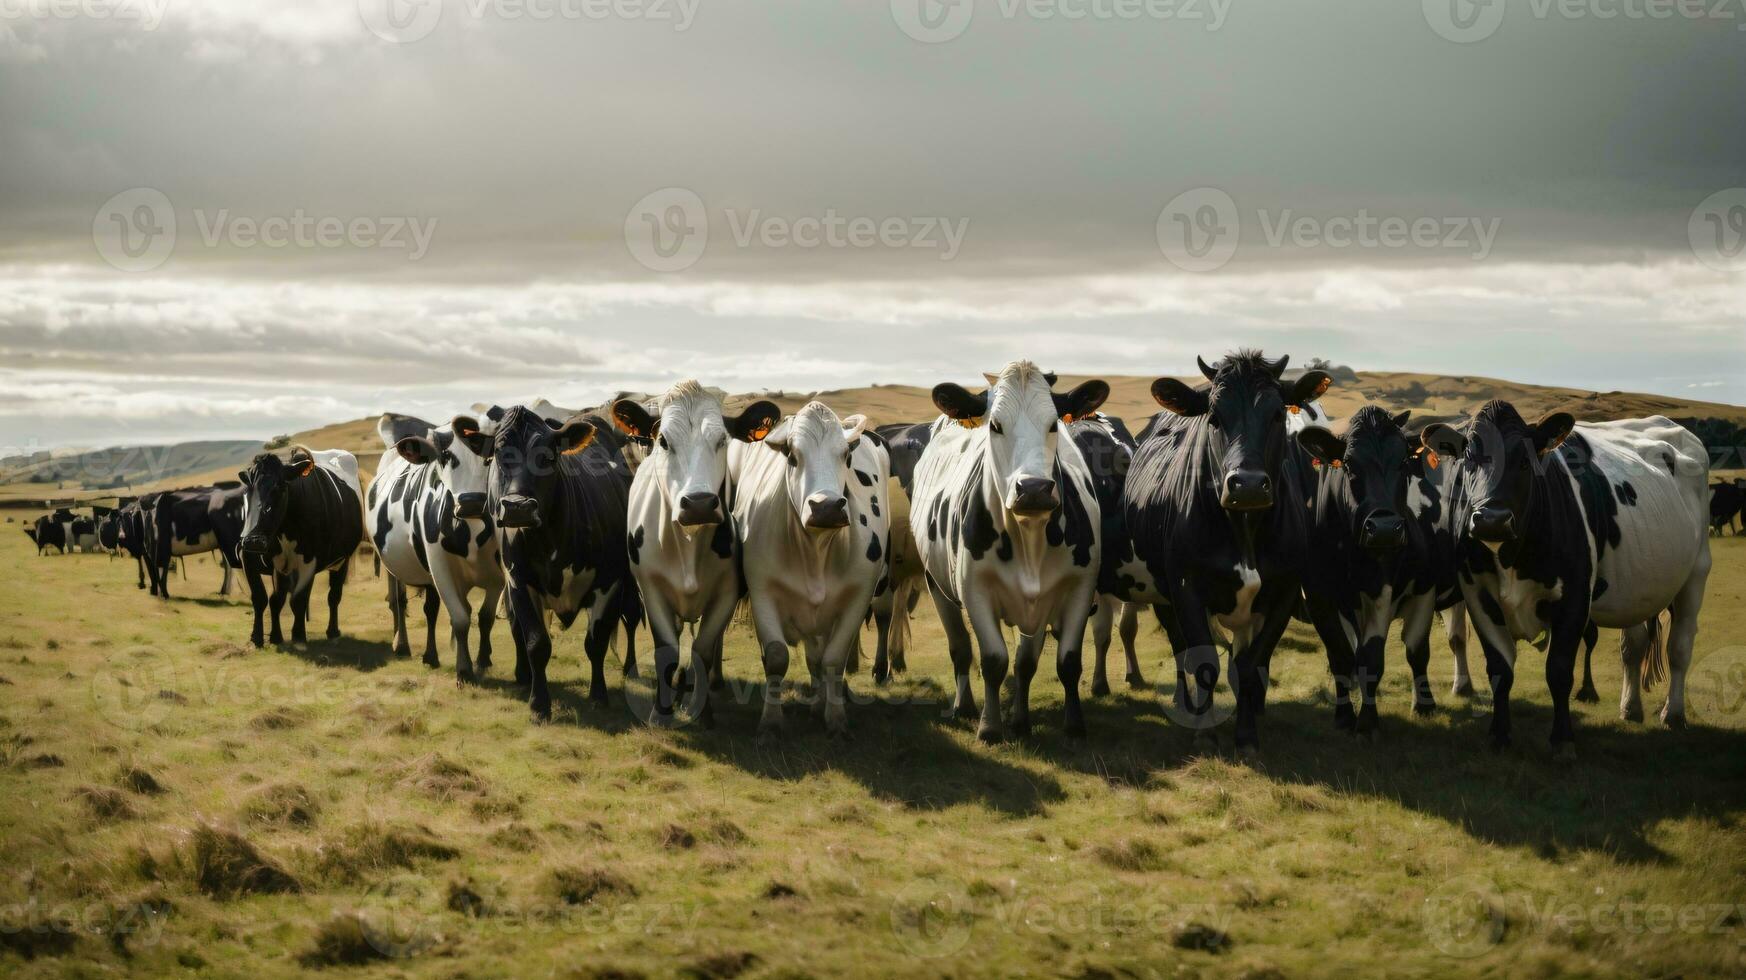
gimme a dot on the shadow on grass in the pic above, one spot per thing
(346, 651)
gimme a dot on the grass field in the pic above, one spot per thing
(173, 801)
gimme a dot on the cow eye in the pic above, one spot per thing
(662, 442)
(995, 428)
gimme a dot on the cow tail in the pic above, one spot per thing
(852, 663)
(1655, 658)
(901, 596)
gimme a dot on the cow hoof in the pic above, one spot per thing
(966, 710)
(989, 733)
(659, 720)
(483, 663)
(1136, 682)
(1021, 727)
(404, 653)
(1250, 752)
(1675, 722)
(716, 683)
(1462, 689)
(1634, 713)
(1423, 708)
(257, 641)
(465, 677)
(1564, 752)
(333, 634)
(1588, 695)
(1100, 688)
(430, 659)
(542, 714)
(882, 678)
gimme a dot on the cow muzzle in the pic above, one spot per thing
(1034, 497)
(827, 512)
(698, 509)
(469, 505)
(518, 512)
(1247, 490)
(1492, 524)
(1382, 531)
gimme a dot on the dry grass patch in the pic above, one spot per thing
(440, 778)
(224, 864)
(343, 940)
(280, 805)
(104, 803)
(583, 886)
(140, 781)
(1132, 854)
(720, 966)
(277, 720)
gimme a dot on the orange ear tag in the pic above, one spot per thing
(1315, 463)
(1431, 458)
(974, 423)
(1293, 409)
(1335, 464)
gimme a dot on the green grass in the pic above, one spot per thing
(172, 800)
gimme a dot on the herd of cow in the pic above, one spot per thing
(1235, 509)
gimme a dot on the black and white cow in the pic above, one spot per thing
(130, 534)
(46, 532)
(813, 536)
(82, 534)
(1727, 501)
(557, 494)
(1010, 526)
(1557, 525)
(1215, 516)
(1375, 555)
(893, 605)
(302, 515)
(1108, 450)
(182, 523)
(427, 518)
(682, 543)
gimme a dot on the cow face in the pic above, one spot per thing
(268, 480)
(1023, 417)
(1377, 463)
(819, 448)
(1499, 463)
(460, 462)
(690, 436)
(1245, 407)
(524, 467)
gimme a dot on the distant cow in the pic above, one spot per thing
(1727, 501)
(82, 534)
(892, 605)
(557, 495)
(1558, 524)
(1009, 526)
(682, 545)
(182, 523)
(427, 517)
(302, 515)
(1215, 515)
(813, 537)
(1108, 450)
(46, 532)
(130, 534)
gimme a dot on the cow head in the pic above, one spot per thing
(819, 448)
(1498, 461)
(1245, 406)
(459, 457)
(524, 458)
(268, 481)
(1023, 418)
(690, 436)
(1377, 463)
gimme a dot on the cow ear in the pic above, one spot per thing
(992, 379)
(781, 438)
(853, 426)
(1400, 420)
(1551, 431)
(959, 405)
(1325, 447)
(466, 427)
(243, 477)
(1444, 440)
(753, 424)
(1050, 377)
(1309, 387)
(1179, 398)
(1082, 400)
(575, 435)
(417, 451)
(633, 419)
(302, 468)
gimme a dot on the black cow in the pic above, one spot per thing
(47, 532)
(1108, 449)
(1727, 500)
(301, 516)
(1206, 537)
(559, 494)
(180, 523)
(893, 604)
(130, 533)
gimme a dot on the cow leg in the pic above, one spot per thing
(1130, 632)
(1025, 657)
(1590, 637)
(487, 617)
(903, 602)
(139, 562)
(336, 587)
(432, 599)
(1252, 666)
(1500, 667)
(257, 599)
(281, 590)
(528, 621)
(664, 632)
(460, 623)
(1560, 678)
(397, 611)
(1455, 623)
(706, 657)
(602, 623)
(1342, 660)
(882, 610)
(1682, 633)
(991, 647)
(1069, 644)
(300, 608)
(224, 587)
(1415, 633)
(630, 644)
(773, 644)
(1191, 642)
(1633, 645)
(958, 645)
(1102, 627)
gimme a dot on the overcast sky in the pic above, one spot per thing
(228, 218)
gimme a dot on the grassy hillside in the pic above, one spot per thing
(173, 801)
